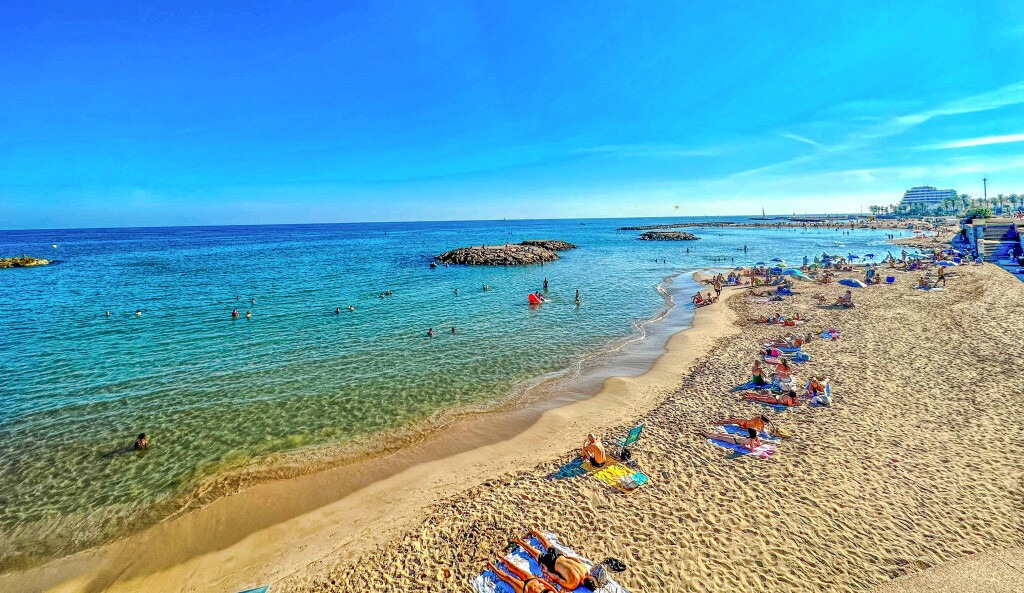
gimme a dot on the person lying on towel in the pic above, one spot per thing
(759, 423)
(563, 570)
(750, 441)
(520, 580)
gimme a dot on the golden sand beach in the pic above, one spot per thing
(915, 464)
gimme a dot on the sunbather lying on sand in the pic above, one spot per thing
(521, 581)
(593, 451)
(781, 399)
(750, 441)
(563, 570)
(758, 423)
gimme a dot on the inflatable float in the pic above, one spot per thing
(534, 299)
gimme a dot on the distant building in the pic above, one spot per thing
(927, 195)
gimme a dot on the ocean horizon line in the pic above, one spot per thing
(710, 218)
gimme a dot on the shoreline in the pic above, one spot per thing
(281, 521)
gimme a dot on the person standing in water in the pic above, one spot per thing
(234, 314)
(545, 285)
(577, 296)
(142, 442)
(138, 312)
(430, 333)
(248, 314)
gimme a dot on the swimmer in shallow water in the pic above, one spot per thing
(138, 312)
(234, 314)
(430, 333)
(142, 442)
(108, 313)
(453, 329)
(337, 310)
(248, 314)
(351, 307)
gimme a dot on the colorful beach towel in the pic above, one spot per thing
(764, 436)
(764, 451)
(619, 476)
(258, 590)
(488, 582)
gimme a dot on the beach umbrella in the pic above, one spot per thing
(760, 263)
(946, 263)
(869, 255)
(852, 283)
(852, 256)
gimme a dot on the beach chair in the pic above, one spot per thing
(623, 445)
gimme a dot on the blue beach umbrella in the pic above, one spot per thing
(869, 255)
(852, 256)
(946, 263)
(852, 283)
(760, 263)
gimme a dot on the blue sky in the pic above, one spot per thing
(150, 113)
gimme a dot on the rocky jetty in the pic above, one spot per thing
(667, 236)
(23, 262)
(551, 245)
(523, 254)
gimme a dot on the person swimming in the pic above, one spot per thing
(108, 313)
(453, 329)
(430, 333)
(456, 292)
(351, 307)
(234, 314)
(138, 312)
(142, 442)
(248, 314)
(337, 310)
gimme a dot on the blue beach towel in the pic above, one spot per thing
(764, 451)
(764, 436)
(488, 582)
(572, 469)
(258, 590)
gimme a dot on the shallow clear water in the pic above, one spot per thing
(217, 394)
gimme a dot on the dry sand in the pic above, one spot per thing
(917, 462)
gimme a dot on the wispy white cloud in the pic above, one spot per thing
(1012, 94)
(981, 141)
(799, 138)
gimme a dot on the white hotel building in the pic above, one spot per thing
(927, 195)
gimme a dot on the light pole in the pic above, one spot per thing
(984, 181)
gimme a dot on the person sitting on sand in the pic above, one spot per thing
(564, 570)
(784, 373)
(758, 423)
(593, 451)
(751, 441)
(697, 298)
(846, 300)
(757, 374)
(142, 442)
(520, 580)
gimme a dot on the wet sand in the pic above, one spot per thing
(916, 463)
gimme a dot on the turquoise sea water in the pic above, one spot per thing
(219, 395)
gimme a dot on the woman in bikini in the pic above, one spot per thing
(780, 399)
(568, 572)
(758, 423)
(750, 441)
(521, 581)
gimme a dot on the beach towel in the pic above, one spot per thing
(489, 583)
(765, 451)
(573, 469)
(619, 476)
(258, 590)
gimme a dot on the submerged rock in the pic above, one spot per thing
(23, 262)
(523, 254)
(668, 236)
